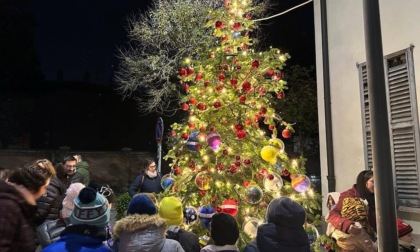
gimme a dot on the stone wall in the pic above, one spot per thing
(116, 168)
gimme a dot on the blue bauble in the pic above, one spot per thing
(190, 215)
(167, 181)
(205, 213)
(192, 141)
(236, 34)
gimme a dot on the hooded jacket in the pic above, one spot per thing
(17, 206)
(49, 206)
(83, 168)
(284, 230)
(141, 233)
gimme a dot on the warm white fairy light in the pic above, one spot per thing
(262, 133)
(188, 60)
(228, 184)
(192, 118)
(292, 197)
(294, 163)
(247, 210)
(278, 51)
(282, 58)
(205, 158)
(218, 184)
(278, 194)
(212, 170)
(311, 192)
(244, 53)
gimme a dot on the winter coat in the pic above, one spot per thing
(17, 206)
(50, 231)
(49, 206)
(215, 248)
(284, 230)
(141, 233)
(83, 168)
(188, 240)
(145, 184)
(81, 238)
(77, 177)
(406, 247)
(343, 224)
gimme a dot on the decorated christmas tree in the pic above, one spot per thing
(228, 156)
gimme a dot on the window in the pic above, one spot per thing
(404, 124)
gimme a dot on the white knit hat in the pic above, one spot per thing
(68, 202)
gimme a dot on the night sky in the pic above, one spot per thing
(78, 37)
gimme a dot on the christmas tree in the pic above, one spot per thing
(227, 156)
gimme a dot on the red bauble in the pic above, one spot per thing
(236, 26)
(198, 76)
(221, 77)
(233, 82)
(257, 117)
(271, 127)
(217, 104)
(173, 133)
(244, 47)
(191, 125)
(184, 136)
(286, 133)
(246, 86)
(187, 87)
(247, 122)
(220, 167)
(242, 98)
(255, 64)
(190, 70)
(233, 168)
(175, 188)
(230, 207)
(281, 95)
(177, 171)
(241, 134)
(206, 83)
(237, 157)
(212, 55)
(219, 87)
(270, 176)
(182, 72)
(238, 163)
(225, 152)
(203, 128)
(270, 72)
(263, 91)
(192, 101)
(285, 173)
(185, 107)
(202, 192)
(219, 24)
(224, 37)
(201, 106)
(238, 67)
(248, 15)
(238, 127)
(247, 161)
(225, 67)
(263, 110)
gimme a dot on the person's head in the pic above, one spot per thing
(286, 212)
(68, 202)
(365, 184)
(224, 229)
(404, 231)
(4, 174)
(70, 165)
(105, 190)
(34, 178)
(78, 157)
(149, 165)
(142, 204)
(45, 163)
(90, 208)
(60, 170)
(170, 209)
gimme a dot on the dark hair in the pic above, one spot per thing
(4, 173)
(145, 164)
(362, 178)
(61, 172)
(69, 158)
(32, 176)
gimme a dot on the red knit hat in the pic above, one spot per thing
(403, 228)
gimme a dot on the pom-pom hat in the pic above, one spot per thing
(403, 228)
(90, 208)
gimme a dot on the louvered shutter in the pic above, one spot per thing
(402, 106)
(366, 115)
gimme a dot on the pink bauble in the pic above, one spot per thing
(214, 140)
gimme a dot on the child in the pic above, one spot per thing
(224, 232)
(404, 237)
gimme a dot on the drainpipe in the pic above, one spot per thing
(327, 97)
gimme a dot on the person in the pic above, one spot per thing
(50, 204)
(148, 180)
(88, 221)
(18, 205)
(405, 241)
(142, 229)
(4, 174)
(82, 167)
(72, 176)
(284, 229)
(49, 231)
(224, 231)
(170, 209)
(364, 189)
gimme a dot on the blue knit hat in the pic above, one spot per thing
(90, 208)
(142, 204)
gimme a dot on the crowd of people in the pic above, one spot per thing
(58, 208)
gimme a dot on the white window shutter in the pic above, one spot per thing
(365, 115)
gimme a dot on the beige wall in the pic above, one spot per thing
(400, 27)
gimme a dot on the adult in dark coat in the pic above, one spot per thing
(18, 205)
(284, 229)
(148, 180)
(50, 204)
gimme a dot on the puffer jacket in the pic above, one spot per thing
(17, 206)
(49, 206)
(141, 233)
(50, 231)
(83, 168)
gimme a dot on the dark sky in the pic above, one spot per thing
(79, 36)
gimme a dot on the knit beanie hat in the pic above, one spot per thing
(285, 212)
(170, 209)
(90, 208)
(71, 193)
(224, 229)
(403, 228)
(141, 204)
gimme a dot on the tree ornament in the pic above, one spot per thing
(241, 134)
(225, 152)
(212, 55)
(247, 162)
(263, 110)
(311, 231)
(271, 127)
(248, 15)
(190, 215)
(182, 72)
(238, 127)
(233, 82)
(236, 26)
(202, 181)
(192, 142)
(244, 47)
(246, 183)
(255, 64)
(202, 192)
(286, 133)
(253, 194)
(224, 37)
(173, 133)
(262, 91)
(217, 104)
(273, 182)
(201, 106)
(204, 214)
(184, 136)
(221, 77)
(251, 226)
(226, 67)
(230, 207)
(269, 154)
(285, 173)
(187, 87)
(246, 86)
(192, 101)
(233, 168)
(281, 95)
(190, 70)
(278, 143)
(219, 24)
(214, 140)
(219, 87)
(301, 183)
(238, 67)
(198, 77)
(242, 98)
(166, 181)
(203, 128)
(220, 167)
(177, 171)
(270, 72)
(236, 34)
(191, 125)
(206, 83)
(238, 163)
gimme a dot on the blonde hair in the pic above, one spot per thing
(46, 164)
